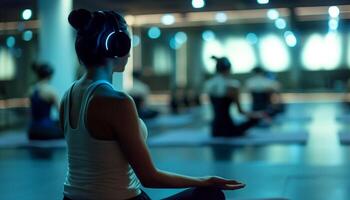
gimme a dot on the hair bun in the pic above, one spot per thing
(214, 57)
(79, 19)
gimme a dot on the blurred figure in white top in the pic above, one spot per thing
(223, 92)
(264, 92)
(140, 92)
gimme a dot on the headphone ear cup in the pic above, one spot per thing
(118, 44)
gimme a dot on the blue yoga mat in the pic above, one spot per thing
(200, 137)
(170, 121)
(20, 140)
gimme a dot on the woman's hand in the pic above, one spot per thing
(222, 183)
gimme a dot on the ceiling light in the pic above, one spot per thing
(198, 3)
(272, 14)
(221, 17)
(154, 32)
(27, 14)
(333, 11)
(168, 19)
(280, 23)
(263, 1)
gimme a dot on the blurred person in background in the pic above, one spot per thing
(140, 93)
(224, 91)
(43, 97)
(347, 95)
(264, 90)
(106, 140)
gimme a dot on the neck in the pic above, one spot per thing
(99, 73)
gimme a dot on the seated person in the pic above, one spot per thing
(42, 98)
(224, 91)
(264, 92)
(139, 92)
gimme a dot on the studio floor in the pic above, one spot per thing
(315, 170)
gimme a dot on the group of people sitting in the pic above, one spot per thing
(221, 88)
(223, 91)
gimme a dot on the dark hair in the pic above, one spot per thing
(43, 71)
(223, 64)
(89, 27)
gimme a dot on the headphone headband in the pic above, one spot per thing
(112, 41)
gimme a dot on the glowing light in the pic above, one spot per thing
(210, 48)
(198, 3)
(252, 38)
(154, 32)
(332, 51)
(280, 23)
(27, 14)
(180, 37)
(272, 14)
(333, 11)
(263, 1)
(290, 38)
(27, 35)
(10, 42)
(135, 40)
(208, 35)
(349, 54)
(322, 52)
(168, 19)
(173, 44)
(7, 65)
(221, 17)
(162, 61)
(241, 54)
(274, 54)
(333, 24)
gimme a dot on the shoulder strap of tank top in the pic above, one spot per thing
(66, 104)
(86, 99)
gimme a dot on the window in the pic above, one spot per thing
(7, 65)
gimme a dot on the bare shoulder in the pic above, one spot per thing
(108, 95)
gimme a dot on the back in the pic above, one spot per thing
(40, 108)
(97, 169)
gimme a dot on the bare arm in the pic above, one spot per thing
(130, 139)
(234, 93)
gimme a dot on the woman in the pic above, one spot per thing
(265, 92)
(224, 91)
(107, 154)
(43, 97)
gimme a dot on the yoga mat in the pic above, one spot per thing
(195, 137)
(20, 140)
(170, 121)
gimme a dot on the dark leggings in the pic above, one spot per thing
(232, 130)
(207, 193)
(45, 132)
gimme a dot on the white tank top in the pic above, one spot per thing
(97, 169)
(218, 84)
